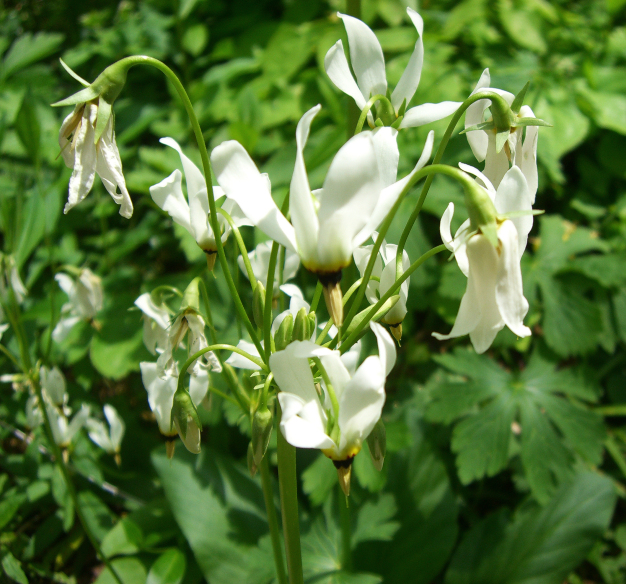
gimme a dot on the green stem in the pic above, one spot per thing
(346, 531)
(242, 247)
(225, 396)
(282, 253)
(429, 180)
(265, 391)
(396, 286)
(10, 355)
(316, 297)
(368, 106)
(288, 487)
(206, 165)
(269, 295)
(272, 520)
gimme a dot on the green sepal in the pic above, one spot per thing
(384, 309)
(379, 123)
(501, 138)
(74, 74)
(522, 122)
(312, 322)
(515, 214)
(397, 123)
(283, 335)
(402, 109)
(104, 115)
(490, 231)
(183, 408)
(262, 424)
(258, 304)
(301, 326)
(516, 106)
(83, 96)
(252, 467)
(191, 296)
(501, 112)
(482, 126)
(481, 210)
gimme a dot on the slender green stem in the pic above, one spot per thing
(266, 390)
(368, 106)
(346, 531)
(429, 180)
(269, 295)
(288, 487)
(426, 171)
(206, 165)
(329, 386)
(316, 296)
(396, 286)
(223, 395)
(10, 355)
(242, 247)
(281, 275)
(272, 520)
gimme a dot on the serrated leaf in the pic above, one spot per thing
(375, 521)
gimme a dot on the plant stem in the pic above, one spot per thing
(288, 487)
(269, 295)
(272, 520)
(242, 247)
(346, 531)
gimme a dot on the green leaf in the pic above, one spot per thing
(28, 127)
(27, 49)
(318, 479)
(96, 514)
(522, 25)
(608, 110)
(130, 570)
(169, 568)
(541, 546)
(9, 507)
(375, 521)
(13, 569)
(195, 39)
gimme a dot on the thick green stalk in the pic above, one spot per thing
(346, 531)
(288, 487)
(272, 520)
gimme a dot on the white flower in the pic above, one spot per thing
(10, 280)
(193, 216)
(187, 321)
(521, 153)
(494, 295)
(85, 300)
(340, 420)
(327, 225)
(385, 273)
(62, 430)
(161, 390)
(87, 157)
(156, 321)
(368, 63)
(260, 259)
(53, 385)
(109, 439)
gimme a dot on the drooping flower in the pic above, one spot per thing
(156, 321)
(384, 274)
(53, 385)
(161, 390)
(259, 260)
(109, 439)
(194, 215)
(85, 300)
(368, 63)
(516, 151)
(494, 296)
(338, 414)
(328, 224)
(64, 429)
(88, 156)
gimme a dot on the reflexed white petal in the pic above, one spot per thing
(198, 386)
(513, 195)
(292, 372)
(299, 425)
(386, 347)
(199, 218)
(444, 226)
(491, 191)
(366, 56)
(390, 195)
(303, 215)
(496, 164)
(474, 115)
(337, 372)
(361, 403)
(351, 357)
(239, 361)
(168, 195)
(241, 180)
(528, 162)
(85, 157)
(99, 434)
(69, 125)
(509, 290)
(351, 190)
(193, 175)
(78, 421)
(157, 313)
(387, 280)
(160, 394)
(338, 71)
(411, 76)
(387, 153)
(63, 328)
(428, 112)
(361, 259)
(116, 423)
(109, 168)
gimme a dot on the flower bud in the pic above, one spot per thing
(191, 296)
(262, 424)
(252, 467)
(185, 419)
(258, 304)
(333, 296)
(283, 335)
(301, 326)
(377, 442)
(312, 322)
(481, 210)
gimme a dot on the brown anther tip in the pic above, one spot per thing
(334, 302)
(211, 256)
(343, 474)
(396, 331)
(170, 446)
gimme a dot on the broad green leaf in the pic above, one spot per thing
(27, 49)
(96, 514)
(318, 479)
(522, 25)
(365, 472)
(9, 506)
(195, 39)
(607, 109)
(169, 568)
(13, 568)
(375, 521)
(607, 270)
(130, 570)
(540, 546)
(28, 127)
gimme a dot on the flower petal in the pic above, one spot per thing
(386, 347)
(241, 180)
(411, 76)
(160, 394)
(366, 56)
(513, 195)
(198, 386)
(509, 290)
(109, 169)
(239, 361)
(292, 372)
(496, 164)
(116, 423)
(474, 115)
(427, 113)
(299, 424)
(150, 309)
(337, 372)
(491, 191)
(168, 195)
(303, 215)
(387, 153)
(193, 175)
(528, 163)
(338, 71)
(444, 227)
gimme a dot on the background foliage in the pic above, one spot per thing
(502, 468)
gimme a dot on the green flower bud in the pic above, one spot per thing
(185, 419)
(262, 424)
(301, 326)
(283, 335)
(377, 442)
(191, 296)
(252, 467)
(258, 304)
(482, 212)
(312, 323)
